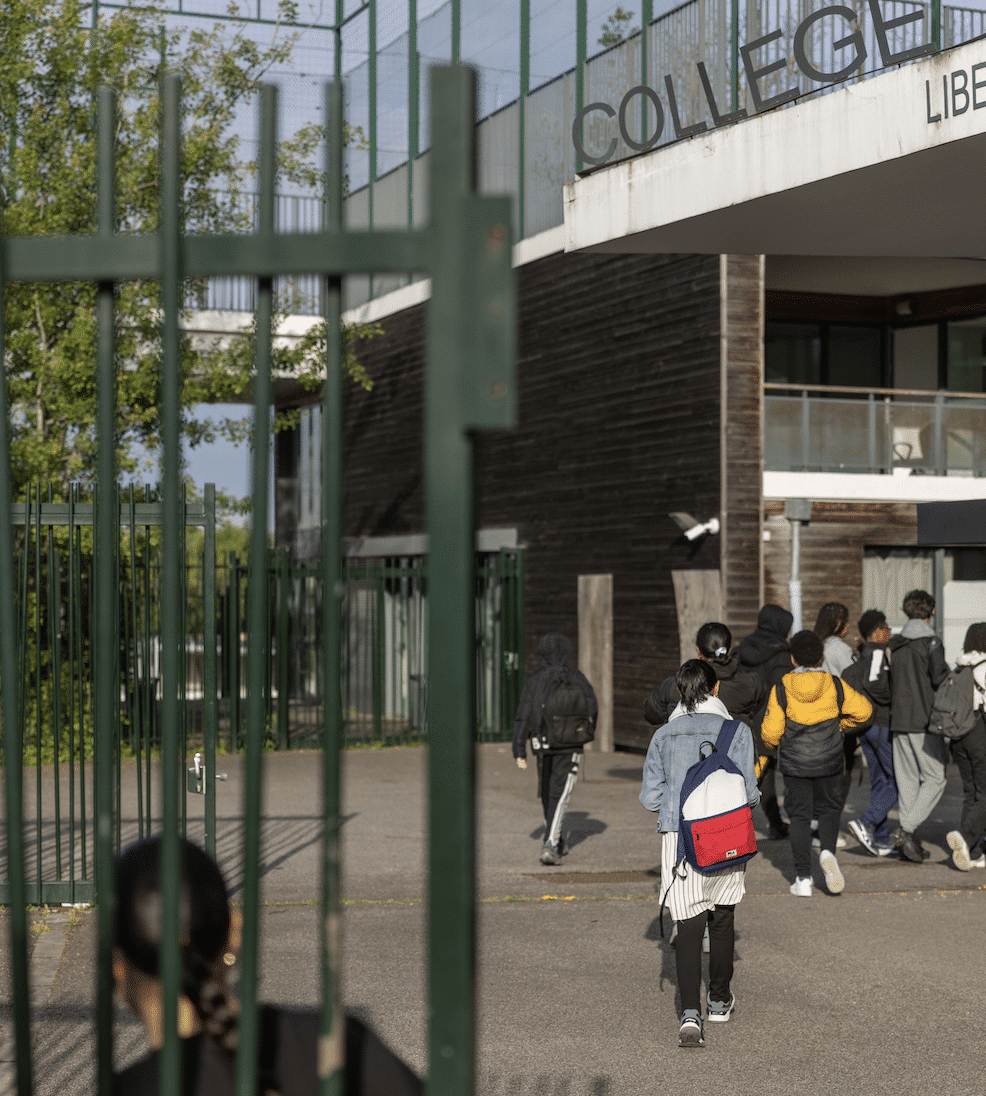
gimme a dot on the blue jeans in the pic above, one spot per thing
(879, 753)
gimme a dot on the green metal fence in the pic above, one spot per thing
(56, 630)
(469, 386)
(384, 667)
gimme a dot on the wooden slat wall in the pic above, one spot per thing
(742, 318)
(619, 387)
(832, 546)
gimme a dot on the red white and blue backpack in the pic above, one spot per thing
(715, 822)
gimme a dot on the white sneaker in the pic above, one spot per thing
(802, 888)
(834, 879)
(980, 863)
(960, 850)
(840, 842)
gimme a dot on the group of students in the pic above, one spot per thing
(806, 703)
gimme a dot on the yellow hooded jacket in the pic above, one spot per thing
(812, 709)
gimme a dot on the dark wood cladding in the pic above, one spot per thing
(742, 310)
(619, 424)
(832, 546)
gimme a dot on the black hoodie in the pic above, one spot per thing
(766, 651)
(744, 695)
(556, 652)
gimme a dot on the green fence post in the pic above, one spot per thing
(173, 534)
(525, 87)
(105, 642)
(581, 33)
(646, 15)
(468, 385)
(330, 935)
(258, 615)
(210, 711)
(734, 55)
(283, 645)
(13, 745)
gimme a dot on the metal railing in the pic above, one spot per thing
(832, 428)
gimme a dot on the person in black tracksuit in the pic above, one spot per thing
(743, 694)
(766, 652)
(558, 770)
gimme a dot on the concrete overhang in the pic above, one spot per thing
(865, 170)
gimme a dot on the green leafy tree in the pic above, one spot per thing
(616, 27)
(54, 61)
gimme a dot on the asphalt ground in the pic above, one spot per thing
(877, 990)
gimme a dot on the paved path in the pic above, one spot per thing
(878, 990)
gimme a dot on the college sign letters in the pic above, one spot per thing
(754, 75)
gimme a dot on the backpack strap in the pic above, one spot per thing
(840, 693)
(727, 732)
(781, 693)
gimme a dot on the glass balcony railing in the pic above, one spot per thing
(822, 428)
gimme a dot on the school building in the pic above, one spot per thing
(760, 299)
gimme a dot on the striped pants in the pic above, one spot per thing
(557, 773)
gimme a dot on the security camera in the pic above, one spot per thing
(691, 528)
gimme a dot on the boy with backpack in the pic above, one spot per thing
(969, 751)
(870, 675)
(557, 712)
(806, 714)
(919, 667)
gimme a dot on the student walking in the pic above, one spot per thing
(919, 667)
(765, 651)
(696, 900)
(805, 716)
(743, 694)
(558, 766)
(870, 675)
(969, 753)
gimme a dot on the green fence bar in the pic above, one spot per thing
(330, 936)
(734, 55)
(581, 49)
(282, 654)
(525, 87)
(258, 609)
(106, 534)
(172, 535)
(646, 16)
(210, 708)
(13, 744)
(413, 105)
(468, 386)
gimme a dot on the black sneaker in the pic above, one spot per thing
(910, 849)
(690, 1034)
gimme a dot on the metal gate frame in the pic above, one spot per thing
(469, 385)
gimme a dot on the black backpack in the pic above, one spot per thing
(565, 717)
(856, 676)
(953, 714)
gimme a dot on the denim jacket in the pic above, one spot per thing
(675, 748)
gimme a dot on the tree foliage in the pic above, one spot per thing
(54, 61)
(616, 27)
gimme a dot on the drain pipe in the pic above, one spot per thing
(796, 511)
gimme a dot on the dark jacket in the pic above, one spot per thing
(743, 695)
(287, 1062)
(874, 681)
(556, 652)
(766, 650)
(917, 668)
